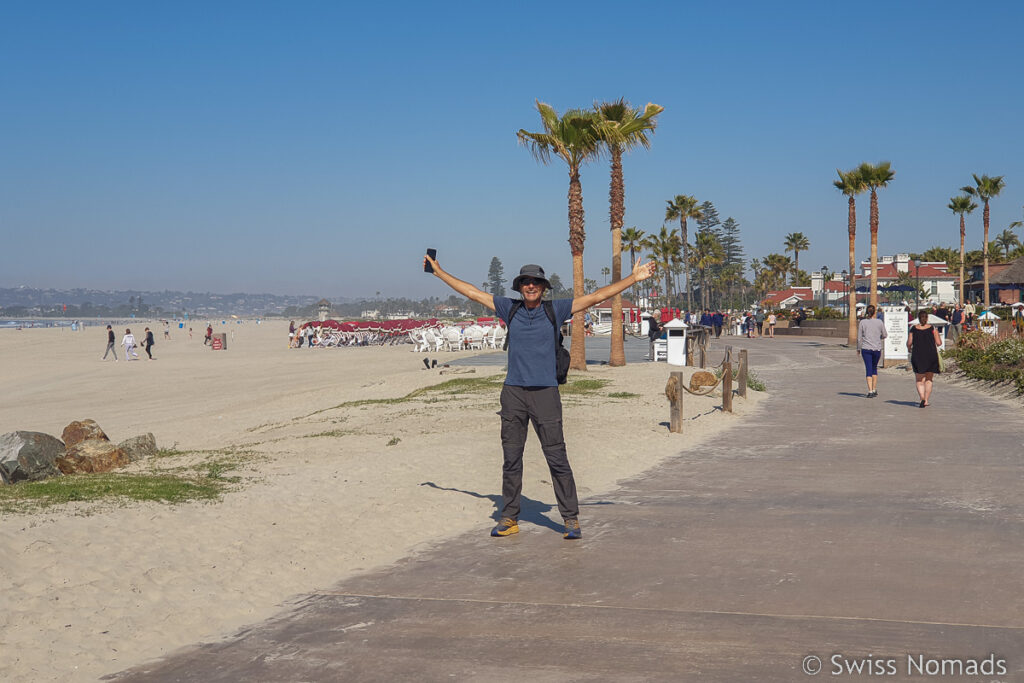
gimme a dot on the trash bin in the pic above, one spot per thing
(675, 331)
(219, 341)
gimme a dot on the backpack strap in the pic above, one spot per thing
(516, 305)
(549, 309)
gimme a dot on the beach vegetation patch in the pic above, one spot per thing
(109, 487)
(583, 386)
(990, 359)
(623, 394)
(754, 382)
(394, 441)
(171, 476)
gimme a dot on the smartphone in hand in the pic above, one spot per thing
(427, 268)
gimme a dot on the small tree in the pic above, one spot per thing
(496, 278)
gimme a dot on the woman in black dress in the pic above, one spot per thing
(924, 342)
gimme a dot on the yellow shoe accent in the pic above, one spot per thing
(506, 527)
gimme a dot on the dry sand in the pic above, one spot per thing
(88, 590)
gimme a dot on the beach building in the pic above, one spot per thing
(323, 309)
(937, 283)
(1005, 282)
(602, 315)
(794, 297)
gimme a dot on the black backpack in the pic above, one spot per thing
(561, 355)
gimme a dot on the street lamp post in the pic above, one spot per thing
(917, 289)
(823, 287)
(846, 300)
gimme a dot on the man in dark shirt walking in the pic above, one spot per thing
(530, 392)
(110, 344)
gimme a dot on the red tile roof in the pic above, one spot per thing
(802, 293)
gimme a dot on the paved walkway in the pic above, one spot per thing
(828, 524)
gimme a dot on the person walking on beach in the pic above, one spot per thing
(530, 392)
(167, 330)
(209, 334)
(110, 344)
(148, 342)
(870, 333)
(923, 344)
(128, 342)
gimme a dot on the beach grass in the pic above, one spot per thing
(110, 487)
(207, 478)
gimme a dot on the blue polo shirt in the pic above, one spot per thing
(531, 345)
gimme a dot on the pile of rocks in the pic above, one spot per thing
(83, 447)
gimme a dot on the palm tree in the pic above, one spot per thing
(797, 242)
(572, 138)
(780, 266)
(682, 208)
(634, 240)
(985, 188)
(962, 206)
(707, 252)
(875, 177)
(851, 184)
(621, 128)
(1006, 241)
(664, 250)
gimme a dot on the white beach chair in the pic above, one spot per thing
(452, 338)
(434, 341)
(499, 337)
(475, 337)
(419, 341)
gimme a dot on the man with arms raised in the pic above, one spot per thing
(530, 392)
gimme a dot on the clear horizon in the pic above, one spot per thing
(320, 149)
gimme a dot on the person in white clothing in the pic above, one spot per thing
(128, 342)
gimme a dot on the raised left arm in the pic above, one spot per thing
(641, 271)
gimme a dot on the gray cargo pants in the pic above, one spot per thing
(543, 407)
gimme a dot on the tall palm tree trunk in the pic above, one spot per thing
(963, 234)
(851, 333)
(577, 347)
(984, 248)
(617, 208)
(874, 248)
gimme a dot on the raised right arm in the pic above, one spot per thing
(464, 288)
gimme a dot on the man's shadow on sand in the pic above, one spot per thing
(533, 511)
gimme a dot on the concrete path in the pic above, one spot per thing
(828, 525)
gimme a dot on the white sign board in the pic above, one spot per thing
(898, 329)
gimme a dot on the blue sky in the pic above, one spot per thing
(319, 147)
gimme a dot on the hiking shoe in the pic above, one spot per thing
(572, 530)
(506, 527)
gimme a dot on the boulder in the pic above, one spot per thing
(82, 430)
(138, 447)
(94, 455)
(701, 379)
(28, 456)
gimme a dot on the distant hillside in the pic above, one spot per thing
(23, 301)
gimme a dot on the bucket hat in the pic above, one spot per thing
(530, 270)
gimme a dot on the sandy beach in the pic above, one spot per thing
(328, 491)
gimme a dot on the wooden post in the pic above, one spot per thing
(741, 380)
(727, 387)
(675, 421)
(728, 352)
(703, 357)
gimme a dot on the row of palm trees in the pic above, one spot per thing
(577, 137)
(872, 177)
(852, 183)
